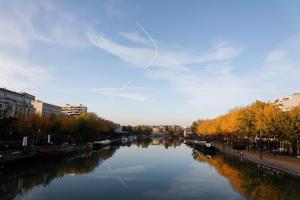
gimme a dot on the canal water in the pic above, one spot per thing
(146, 170)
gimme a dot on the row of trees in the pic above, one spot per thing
(173, 130)
(85, 127)
(258, 120)
(139, 130)
(146, 130)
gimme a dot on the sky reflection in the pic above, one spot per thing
(146, 172)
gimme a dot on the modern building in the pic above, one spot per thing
(45, 109)
(12, 103)
(156, 129)
(119, 129)
(73, 110)
(188, 132)
(178, 128)
(289, 102)
(166, 128)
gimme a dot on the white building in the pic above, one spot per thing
(156, 129)
(73, 110)
(289, 102)
(45, 109)
(187, 132)
(119, 130)
(12, 103)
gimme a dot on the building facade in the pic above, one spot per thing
(12, 103)
(45, 109)
(73, 110)
(187, 132)
(289, 102)
(156, 129)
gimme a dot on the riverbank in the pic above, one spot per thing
(11, 157)
(284, 164)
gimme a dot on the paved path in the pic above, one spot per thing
(286, 164)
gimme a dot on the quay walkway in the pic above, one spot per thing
(290, 165)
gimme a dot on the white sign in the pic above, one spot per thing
(24, 144)
(49, 139)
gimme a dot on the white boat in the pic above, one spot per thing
(105, 142)
(99, 144)
(203, 143)
(124, 139)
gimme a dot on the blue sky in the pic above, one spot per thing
(151, 62)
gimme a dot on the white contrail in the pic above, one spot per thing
(154, 44)
(125, 85)
(122, 87)
(123, 182)
(108, 167)
(150, 63)
(118, 177)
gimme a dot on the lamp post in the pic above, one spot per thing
(260, 145)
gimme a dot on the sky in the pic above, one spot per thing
(151, 62)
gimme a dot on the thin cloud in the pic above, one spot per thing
(175, 66)
(140, 56)
(132, 93)
(136, 38)
(209, 80)
(11, 35)
(21, 75)
(24, 22)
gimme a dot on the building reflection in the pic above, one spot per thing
(250, 180)
(166, 142)
(246, 178)
(40, 173)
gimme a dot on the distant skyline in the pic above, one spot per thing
(151, 62)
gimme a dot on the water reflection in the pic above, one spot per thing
(21, 179)
(251, 180)
(146, 169)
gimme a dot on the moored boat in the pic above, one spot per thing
(16, 156)
(50, 152)
(124, 139)
(204, 145)
(98, 144)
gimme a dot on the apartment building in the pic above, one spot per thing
(12, 102)
(187, 132)
(45, 109)
(289, 102)
(73, 110)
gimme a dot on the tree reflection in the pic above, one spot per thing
(252, 181)
(40, 173)
(171, 143)
(143, 143)
(248, 179)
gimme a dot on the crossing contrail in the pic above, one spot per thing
(150, 63)
(123, 182)
(154, 44)
(118, 177)
(122, 87)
